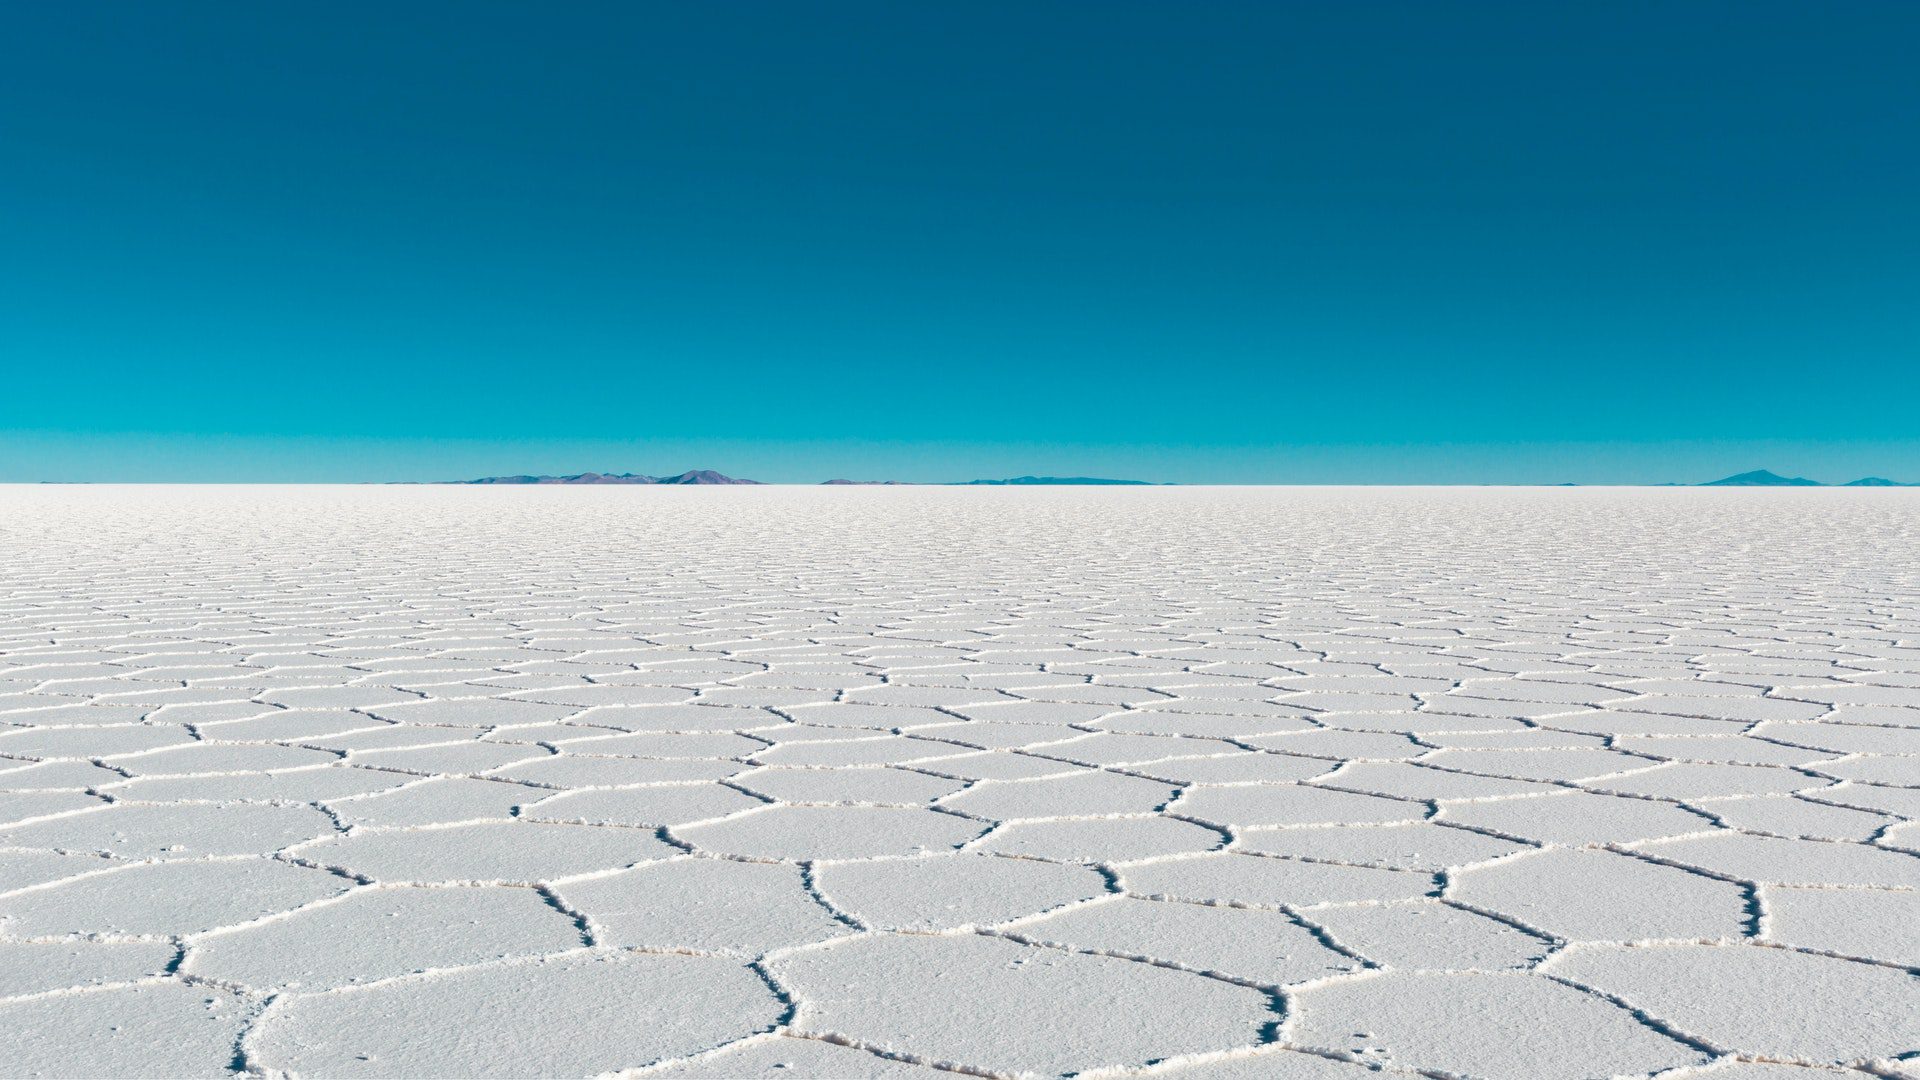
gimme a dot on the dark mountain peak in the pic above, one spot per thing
(1875, 481)
(695, 476)
(701, 476)
(521, 479)
(1761, 478)
(598, 478)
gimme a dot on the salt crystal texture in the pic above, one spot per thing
(856, 782)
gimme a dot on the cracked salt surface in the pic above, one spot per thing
(1206, 783)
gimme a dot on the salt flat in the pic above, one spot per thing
(1198, 783)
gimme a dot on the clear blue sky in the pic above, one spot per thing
(1230, 242)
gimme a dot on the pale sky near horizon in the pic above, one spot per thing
(1236, 243)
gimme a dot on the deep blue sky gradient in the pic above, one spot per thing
(1234, 242)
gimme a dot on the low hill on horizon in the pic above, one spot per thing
(1766, 478)
(708, 476)
(691, 476)
(1762, 478)
(1754, 478)
(1023, 481)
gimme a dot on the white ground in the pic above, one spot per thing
(1209, 783)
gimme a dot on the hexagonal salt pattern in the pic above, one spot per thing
(1223, 783)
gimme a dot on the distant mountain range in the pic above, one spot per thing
(1756, 478)
(708, 476)
(1763, 478)
(692, 476)
(1022, 481)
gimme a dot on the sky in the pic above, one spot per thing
(1266, 242)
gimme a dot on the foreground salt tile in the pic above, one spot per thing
(154, 1029)
(678, 718)
(1101, 840)
(377, 933)
(1729, 1069)
(1275, 1063)
(1777, 1003)
(1107, 749)
(87, 743)
(1778, 861)
(1578, 818)
(519, 1019)
(1416, 723)
(1265, 948)
(589, 696)
(443, 759)
(1235, 767)
(1497, 1026)
(1091, 794)
(780, 1057)
(293, 786)
(1241, 726)
(473, 712)
(1259, 881)
(662, 804)
(1721, 707)
(1795, 817)
(308, 727)
(78, 715)
(1689, 780)
(1524, 739)
(1879, 769)
(1336, 744)
(200, 759)
(661, 744)
(166, 898)
(25, 807)
(1272, 805)
(885, 750)
(850, 786)
(437, 801)
(1553, 893)
(22, 870)
(1036, 712)
(147, 830)
(36, 967)
(1008, 1007)
(1414, 780)
(366, 741)
(1839, 738)
(944, 892)
(831, 832)
(580, 771)
(703, 905)
(504, 852)
(56, 776)
(1896, 801)
(1416, 845)
(1003, 765)
(1539, 765)
(1429, 935)
(873, 717)
(1882, 924)
(1727, 749)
